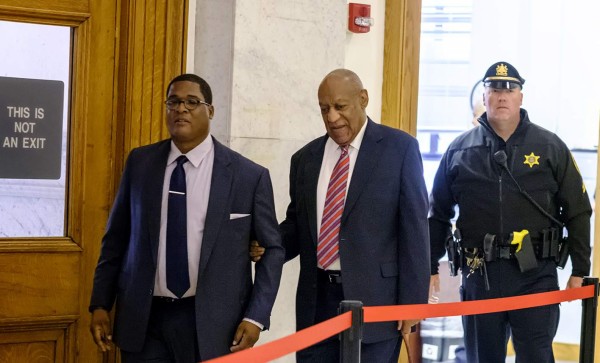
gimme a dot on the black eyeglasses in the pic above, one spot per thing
(189, 103)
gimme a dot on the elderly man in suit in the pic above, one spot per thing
(358, 220)
(175, 252)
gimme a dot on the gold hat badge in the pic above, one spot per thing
(501, 70)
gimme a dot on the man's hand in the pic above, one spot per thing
(574, 282)
(256, 251)
(245, 337)
(434, 289)
(100, 329)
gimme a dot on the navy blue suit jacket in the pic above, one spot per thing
(384, 247)
(225, 292)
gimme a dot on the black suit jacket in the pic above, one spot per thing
(384, 247)
(225, 292)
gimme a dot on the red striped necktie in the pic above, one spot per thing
(329, 235)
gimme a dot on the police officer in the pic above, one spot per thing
(509, 178)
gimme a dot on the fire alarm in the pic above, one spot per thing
(359, 18)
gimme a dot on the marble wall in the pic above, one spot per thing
(264, 60)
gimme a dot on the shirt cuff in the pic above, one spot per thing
(262, 327)
(95, 307)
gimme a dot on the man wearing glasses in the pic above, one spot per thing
(175, 255)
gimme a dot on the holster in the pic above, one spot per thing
(526, 255)
(563, 253)
(556, 246)
(550, 240)
(489, 247)
(454, 252)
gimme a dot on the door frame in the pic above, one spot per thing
(123, 55)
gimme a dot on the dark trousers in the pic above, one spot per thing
(171, 336)
(329, 296)
(532, 330)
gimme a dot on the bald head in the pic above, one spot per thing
(347, 76)
(343, 102)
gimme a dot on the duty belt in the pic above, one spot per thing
(519, 245)
(544, 246)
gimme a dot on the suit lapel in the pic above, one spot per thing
(154, 190)
(368, 157)
(312, 169)
(220, 189)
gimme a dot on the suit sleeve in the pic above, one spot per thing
(268, 269)
(414, 234)
(289, 227)
(114, 245)
(440, 213)
(576, 211)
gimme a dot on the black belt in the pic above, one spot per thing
(331, 276)
(170, 300)
(471, 243)
(506, 252)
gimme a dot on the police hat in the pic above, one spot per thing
(503, 75)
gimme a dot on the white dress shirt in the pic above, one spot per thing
(198, 174)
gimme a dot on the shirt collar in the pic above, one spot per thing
(359, 137)
(355, 144)
(195, 155)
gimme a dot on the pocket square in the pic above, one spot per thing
(237, 215)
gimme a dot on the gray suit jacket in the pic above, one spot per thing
(225, 292)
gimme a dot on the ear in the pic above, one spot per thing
(211, 112)
(364, 98)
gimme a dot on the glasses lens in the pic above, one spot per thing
(191, 103)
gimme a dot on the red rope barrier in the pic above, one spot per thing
(375, 314)
(316, 333)
(291, 343)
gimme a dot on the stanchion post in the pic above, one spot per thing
(588, 323)
(350, 338)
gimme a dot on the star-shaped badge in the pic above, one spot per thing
(531, 160)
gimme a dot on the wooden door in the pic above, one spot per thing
(122, 53)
